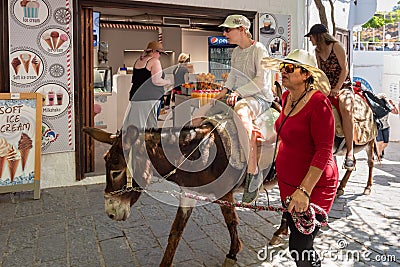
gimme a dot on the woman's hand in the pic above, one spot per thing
(231, 100)
(299, 201)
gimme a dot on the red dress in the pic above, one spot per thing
(307, 140)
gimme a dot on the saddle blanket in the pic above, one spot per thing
(222, 118)
(364, 123)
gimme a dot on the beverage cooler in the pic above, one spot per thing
(219, 56)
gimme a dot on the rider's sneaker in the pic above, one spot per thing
(251, 184)
(349, 164)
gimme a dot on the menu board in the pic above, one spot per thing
(275, 33)
(20, 142)
(40, 61)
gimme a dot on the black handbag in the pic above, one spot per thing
(380, 106)
(271, 175)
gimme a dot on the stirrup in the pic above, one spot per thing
(250, 196)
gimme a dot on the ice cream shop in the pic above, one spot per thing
(77, 56)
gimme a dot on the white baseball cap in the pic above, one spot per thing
(236, 21)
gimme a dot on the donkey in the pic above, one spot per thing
(155, 150)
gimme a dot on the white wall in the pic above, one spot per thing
(295, 8)
(381, 70)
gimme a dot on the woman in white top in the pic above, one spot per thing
(250, 82)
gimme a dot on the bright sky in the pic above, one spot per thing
(386, 5)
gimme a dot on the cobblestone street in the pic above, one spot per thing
(68, 227)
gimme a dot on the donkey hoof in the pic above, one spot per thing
(275, 240)
(339, 192)
(229, 262)
(367, 191)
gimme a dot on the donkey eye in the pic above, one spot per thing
(115, 174)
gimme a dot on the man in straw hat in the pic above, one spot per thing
(305, 166)
(249, 81)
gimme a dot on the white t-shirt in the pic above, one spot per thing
(247, 77)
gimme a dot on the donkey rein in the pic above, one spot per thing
(305, 221)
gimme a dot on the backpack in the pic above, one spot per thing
(380, 106)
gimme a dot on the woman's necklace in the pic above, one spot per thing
(293, 102)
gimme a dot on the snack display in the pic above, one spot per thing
(204, 96)
(24, 147)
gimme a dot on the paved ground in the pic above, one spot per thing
(68, 227)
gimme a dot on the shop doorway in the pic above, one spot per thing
(89, 154)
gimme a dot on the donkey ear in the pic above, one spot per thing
(99, 135)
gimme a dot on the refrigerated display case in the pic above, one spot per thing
(219, 56)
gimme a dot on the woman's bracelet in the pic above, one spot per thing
(304, 191)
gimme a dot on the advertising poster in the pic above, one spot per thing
(20, 142)
(40, 55)
(274, 33)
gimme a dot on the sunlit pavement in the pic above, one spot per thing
(68, 227)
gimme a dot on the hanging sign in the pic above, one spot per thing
(275, 33)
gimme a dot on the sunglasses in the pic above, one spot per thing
(289, 67)
(227, 30)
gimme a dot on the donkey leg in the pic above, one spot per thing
(232, 221)
(371, 163)
(282, 231)
(343, 182)
(182, 216)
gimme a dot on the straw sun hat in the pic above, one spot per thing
(306, 60)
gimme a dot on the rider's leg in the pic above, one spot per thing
(346, 104)
(248, 141)
(244, 117)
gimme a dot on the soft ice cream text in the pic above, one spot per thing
(13, 120)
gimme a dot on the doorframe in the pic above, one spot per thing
(4, 49)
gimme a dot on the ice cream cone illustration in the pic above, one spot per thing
(46, 37)
(4, 146)
(26, 59)
(54, 37)
(13, 159)
(35, 65)
(24, 147)
(63, 39)
(16, 64)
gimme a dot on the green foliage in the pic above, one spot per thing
(375, 22)
(379, 19)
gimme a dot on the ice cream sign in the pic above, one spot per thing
(26, 66)
(19, 143)
(30, 12)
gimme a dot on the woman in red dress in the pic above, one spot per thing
(306, 170)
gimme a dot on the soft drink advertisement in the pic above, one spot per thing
(40, 47)
(274, 33)
(19, 157)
